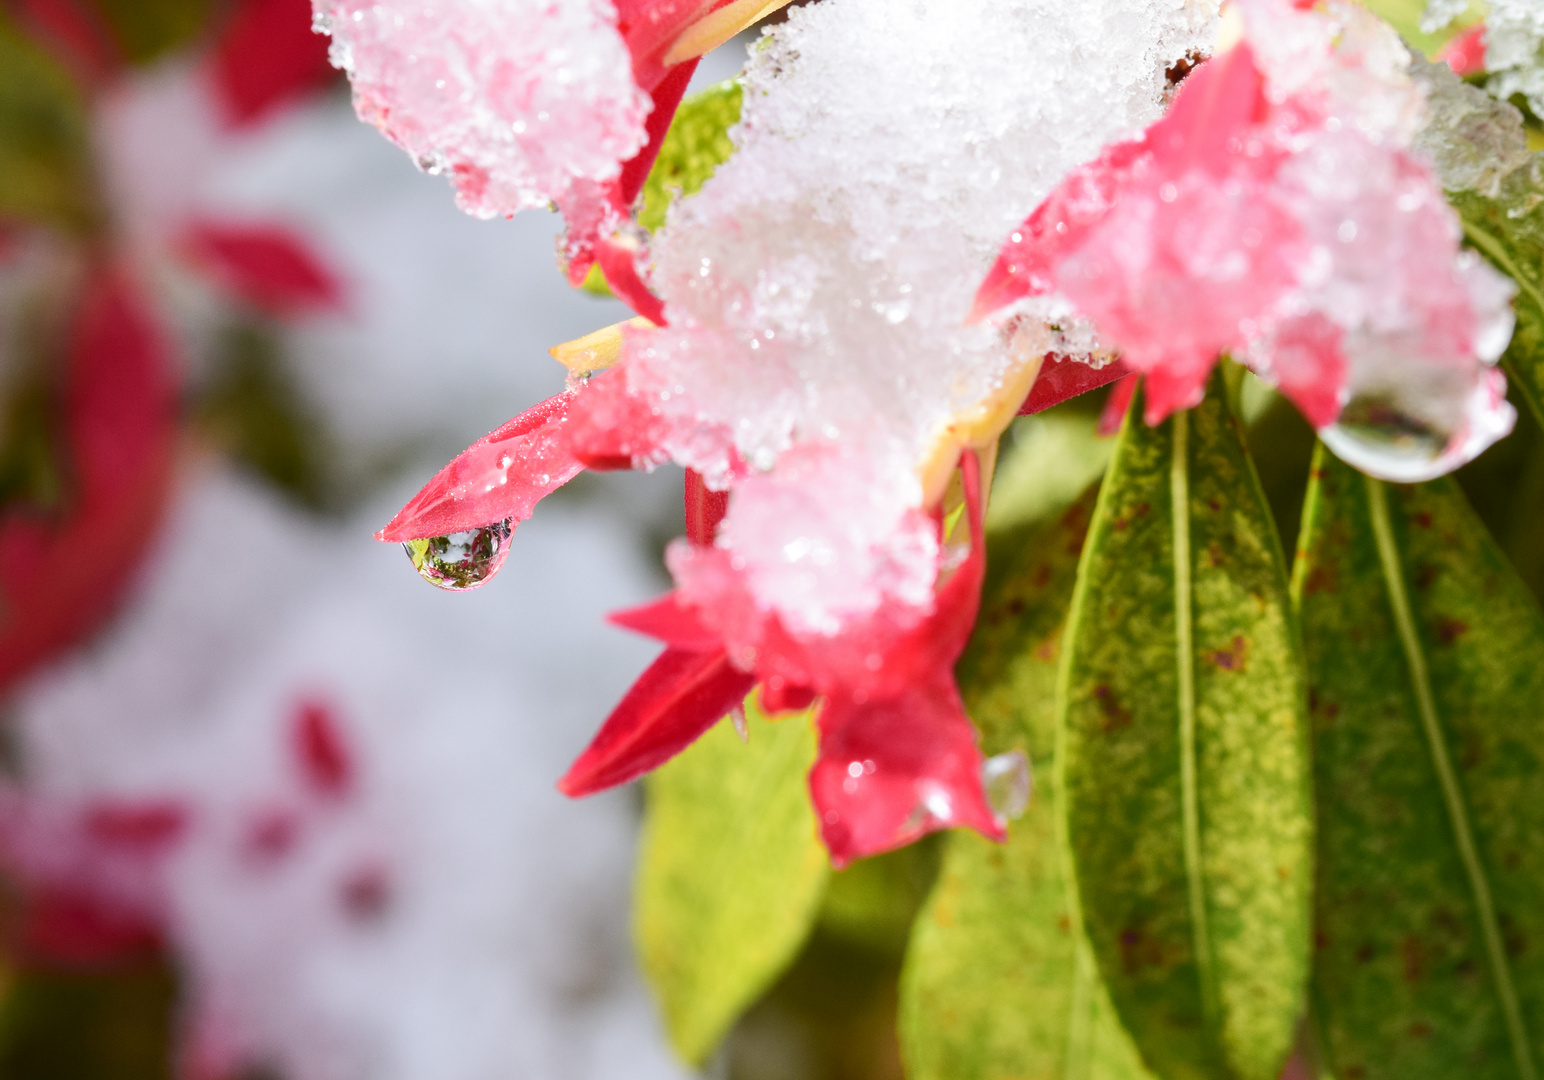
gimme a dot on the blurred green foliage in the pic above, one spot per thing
(45, 153)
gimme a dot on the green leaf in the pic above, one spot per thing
(873, 903)
(148, 29)
(88, 1026)
(697, 143)
(998, 983)
(1185, 756)
(45, 154)
(730, 876)
(1425, 659)
(253, 411)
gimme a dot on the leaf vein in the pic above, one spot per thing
(1447, 778)
(1184, 643)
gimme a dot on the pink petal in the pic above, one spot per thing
(893, 770)
(320, 749)
(612, 428)
(266, 265)
(1063, 377)
(1117, 405)
(501, 477)
(268, 56)
(705, 509)
(1309, 365)
(1465, 54)
(669, 621)
(679, 697)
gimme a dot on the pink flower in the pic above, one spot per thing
(898, 755)
(1281, 218)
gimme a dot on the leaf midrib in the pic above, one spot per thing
(1447, 778)
(1184, 649)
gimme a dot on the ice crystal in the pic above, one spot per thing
(1514, 51)
(520, 102)
(818, 286)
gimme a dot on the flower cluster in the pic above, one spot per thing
(828, 348)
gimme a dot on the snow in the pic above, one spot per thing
(817, 286)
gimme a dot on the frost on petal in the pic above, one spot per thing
(1277, 213)
(818, 286)
(499, 478)
(518, 101)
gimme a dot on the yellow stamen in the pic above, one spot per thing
(977, 428)
(715, 28)
(598, 350)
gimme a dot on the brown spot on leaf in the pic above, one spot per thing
(1137, 951)
(1425, 574)
(1411, 958)
(1049, 649)
(1321, 578)
(1364, 953)
(1450, 630)
(1355, 1072)
(1115, 716)
(1015, 607)
(1042, 576)
(1419, 1030)
(1422, 518)
(1233, 658)
(1214, 554)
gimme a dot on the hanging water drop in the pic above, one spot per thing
(462, 560)
(1007, 781)
(741, 724)
(1413, 433)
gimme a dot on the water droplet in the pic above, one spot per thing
(1007, 781)
(742, 727)
(1410, 434)
(462, 560)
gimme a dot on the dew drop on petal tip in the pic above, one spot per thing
(1007, 781)
(741, 725)
(462, 560)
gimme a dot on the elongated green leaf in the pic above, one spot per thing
(1425, 662)
(1186, 767)
(998, 983)
(730, 875)
(45, 159)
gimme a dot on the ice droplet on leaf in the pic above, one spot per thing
(462, 560)
(1008, 782)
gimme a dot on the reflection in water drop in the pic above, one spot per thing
(1007, 781)
(1414, 433)
(462, 560)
